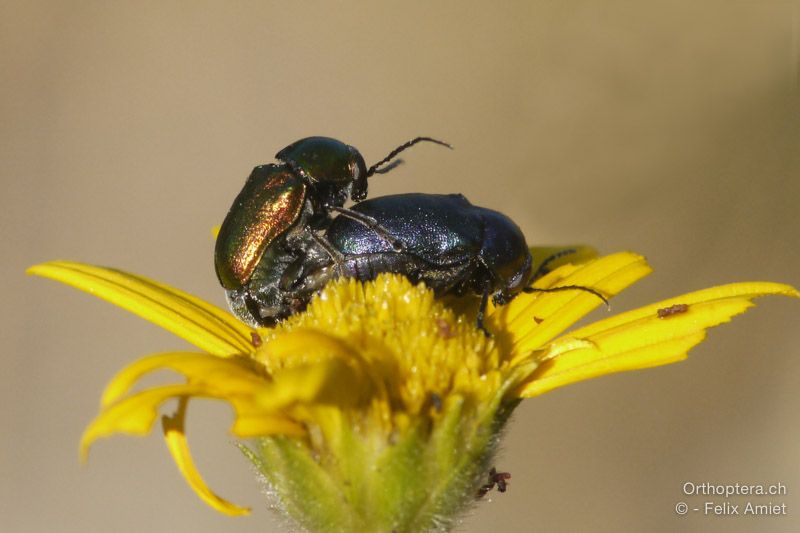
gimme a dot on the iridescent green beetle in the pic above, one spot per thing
(289, 202)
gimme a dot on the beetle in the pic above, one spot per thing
(285, 204)
(451, 245)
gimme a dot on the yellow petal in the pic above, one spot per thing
(533, 319)
(134, 415)
(746, 290)
(252, 421)
(577, 254)
(305, 346)
(179, 448)
(328, 382)
(310, 366)
(206, 326)
(641, 338)
(236, 374)
(302, 346)
(259, 401)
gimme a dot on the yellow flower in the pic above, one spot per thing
(379, 407)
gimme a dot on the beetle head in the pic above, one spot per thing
(332, 168)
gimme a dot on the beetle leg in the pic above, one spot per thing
(335, 254)
(487, 287)
(254, 308)
(371, 223)
(571, 288)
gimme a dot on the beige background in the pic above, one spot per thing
(670, 129)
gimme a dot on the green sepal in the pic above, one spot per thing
(420, 479)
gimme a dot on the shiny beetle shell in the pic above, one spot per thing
(450, 244)
(328, 164)
(271, 200)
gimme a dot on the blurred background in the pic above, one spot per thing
(671, 129)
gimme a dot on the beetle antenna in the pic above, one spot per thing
(542, 270)
(409, 144)
(394, 164)
(570, 288)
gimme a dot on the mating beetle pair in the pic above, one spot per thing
(275, 219)
(278, 245)
(291, 200)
